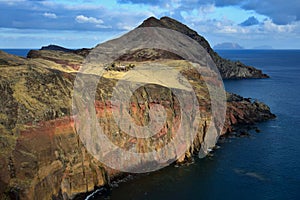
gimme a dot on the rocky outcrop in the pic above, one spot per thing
(241, 112)
(83, 52)
(148, 55)
(256, 111)
(42, 156)
(53, 47)
(228, 69)
(62, 58)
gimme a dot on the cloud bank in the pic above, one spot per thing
(279, 11)
(248, 22)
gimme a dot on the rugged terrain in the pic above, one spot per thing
(42, 155)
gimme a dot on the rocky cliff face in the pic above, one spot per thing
(228, 69)
(42, 156)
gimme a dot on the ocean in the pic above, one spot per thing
(18, 52)
(265, 165)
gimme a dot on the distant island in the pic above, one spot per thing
(236, 46)
(228, 46)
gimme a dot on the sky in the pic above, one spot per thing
(86, 23)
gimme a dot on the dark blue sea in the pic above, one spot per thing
(265, 165)
(18, 52)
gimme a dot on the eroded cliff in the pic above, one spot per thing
(42, 156)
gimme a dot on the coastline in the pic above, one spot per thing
(239, 132)
(45, 141)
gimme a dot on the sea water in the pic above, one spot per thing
(17, 52)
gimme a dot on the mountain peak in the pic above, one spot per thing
(168, 19)
(228, 69)
(167, 22)
(151, 22)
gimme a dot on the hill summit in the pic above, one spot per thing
(228, 69)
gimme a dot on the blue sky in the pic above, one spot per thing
(85, 23)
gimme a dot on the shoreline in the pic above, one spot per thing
(240, 131)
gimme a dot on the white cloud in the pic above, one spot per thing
(50, 15)
(12, 2)
(102, 26)
(206, 9)
(85, 19)
(272, 27)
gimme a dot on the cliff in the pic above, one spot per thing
(42, 157)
